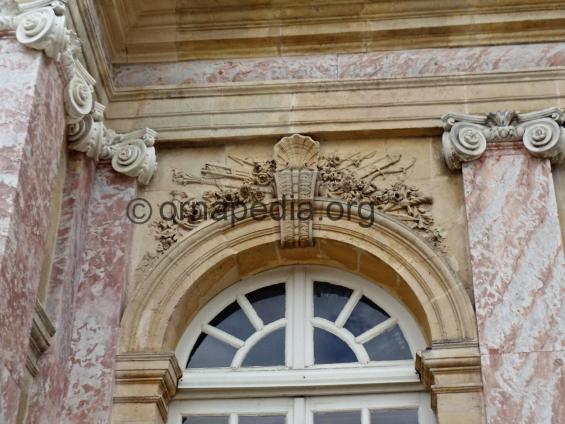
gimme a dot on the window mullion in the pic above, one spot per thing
(299, 412)
(297, 325)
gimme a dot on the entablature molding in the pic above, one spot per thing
(41, 25)
(466, 137)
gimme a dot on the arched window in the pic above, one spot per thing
(298, 345)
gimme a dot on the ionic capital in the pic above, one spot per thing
(465, 137)
(41, 25)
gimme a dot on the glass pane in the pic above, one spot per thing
(206, 419)
(330, 349)
(209, 352)
(233, 321)
(263, 419)
(389, 346)
(269, 351)
(365, 316)
(269, 302)
(337, 417)
(399, 416)
(329, 300)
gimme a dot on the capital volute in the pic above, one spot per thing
(466, 137)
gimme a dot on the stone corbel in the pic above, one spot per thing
(295, 178)
(145, 383)
(465, 137)
(41, 25)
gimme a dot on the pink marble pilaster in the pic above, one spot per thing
(518, 271)
(99, 299)
(50, 385)
(31, 138)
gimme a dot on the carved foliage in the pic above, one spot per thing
(368, 179)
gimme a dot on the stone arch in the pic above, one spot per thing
(218, 254)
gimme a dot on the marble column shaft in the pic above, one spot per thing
(518, 271)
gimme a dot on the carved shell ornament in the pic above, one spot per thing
(298, 168)
(296, 151)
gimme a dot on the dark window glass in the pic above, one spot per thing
(398, 416)
(365, 316)
(233, 321)
(269, 351)
(206, 419)
(209, 352)
(337, 417)
(329, 300)
(389, 346)
(330, 349)
(269, 302)
(261, 419)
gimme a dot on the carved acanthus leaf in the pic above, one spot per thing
(466, 136)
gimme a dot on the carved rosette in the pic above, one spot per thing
(41, 25)
(131, 154)
(466, 136)
(295, 178)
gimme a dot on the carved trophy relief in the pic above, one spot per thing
(298, 173)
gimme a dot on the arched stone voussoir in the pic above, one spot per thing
(218, 254)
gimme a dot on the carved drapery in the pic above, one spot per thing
(41, 25)
(465, 137)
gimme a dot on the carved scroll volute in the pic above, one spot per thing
(545, 138)
(295, 178)
(462, 141)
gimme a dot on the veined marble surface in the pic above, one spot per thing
(518, 272)
(31, 138)
(377, 65)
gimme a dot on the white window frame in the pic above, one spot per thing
(300, 410)
(299, 303)
(304, 388)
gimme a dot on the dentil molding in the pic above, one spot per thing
(41, 25)
(465, 137)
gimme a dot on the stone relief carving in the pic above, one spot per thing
(41, 25)
(465, 137)
(300, 173)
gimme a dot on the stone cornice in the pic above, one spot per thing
(41, 25)
(466, 137)
(169, 31)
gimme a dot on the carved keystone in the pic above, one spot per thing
(295, 178)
